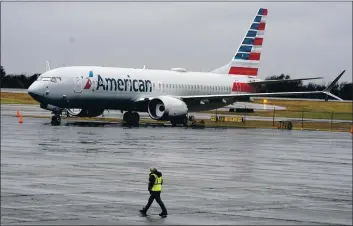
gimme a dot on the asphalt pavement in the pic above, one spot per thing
(97, 174)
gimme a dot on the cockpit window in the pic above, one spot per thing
(45, 79)
(52, 79)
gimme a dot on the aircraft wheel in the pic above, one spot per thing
(131, 118)
(126, 116)
(135, 119)
(180, 120)
(185, 123)
(55, 120)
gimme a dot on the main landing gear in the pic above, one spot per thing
(56, 118)
(131, 118)
(180, 120)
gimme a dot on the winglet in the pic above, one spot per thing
(47, 66)
(328, 89)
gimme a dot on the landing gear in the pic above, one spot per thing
(131, 118)
(180, 120)
(56, 118)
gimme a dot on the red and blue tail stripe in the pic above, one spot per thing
(247, 58)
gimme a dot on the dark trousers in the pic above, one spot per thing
(156, 195)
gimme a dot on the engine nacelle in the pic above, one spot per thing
(85, 112)
(166, 108)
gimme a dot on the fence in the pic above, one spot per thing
(286, 119)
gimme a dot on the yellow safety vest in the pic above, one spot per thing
(157, 183)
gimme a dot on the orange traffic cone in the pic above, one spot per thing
(21, 119)
(17, 114)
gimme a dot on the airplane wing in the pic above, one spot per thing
(242, 96)
(264, 82)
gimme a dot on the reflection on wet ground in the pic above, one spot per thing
(98, 175)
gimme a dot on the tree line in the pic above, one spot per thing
(343, 90)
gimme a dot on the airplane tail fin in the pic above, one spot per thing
(247, 58)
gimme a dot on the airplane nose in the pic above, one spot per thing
(36, 91)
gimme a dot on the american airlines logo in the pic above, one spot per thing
(127, 84)
(89, 82)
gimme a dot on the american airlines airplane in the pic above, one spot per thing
(165, 94)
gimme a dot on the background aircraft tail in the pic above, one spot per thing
(247, 58)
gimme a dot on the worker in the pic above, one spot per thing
(155, 189)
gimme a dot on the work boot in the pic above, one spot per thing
(163, 214)
(143, 211)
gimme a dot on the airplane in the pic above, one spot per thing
(166, 95)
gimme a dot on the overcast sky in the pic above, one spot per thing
(301, 39)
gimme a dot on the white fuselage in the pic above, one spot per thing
(114, 88)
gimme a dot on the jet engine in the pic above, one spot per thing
(166, 108)
(85, 112)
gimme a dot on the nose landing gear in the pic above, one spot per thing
(56, 118)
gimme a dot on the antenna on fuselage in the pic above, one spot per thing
(47, 66)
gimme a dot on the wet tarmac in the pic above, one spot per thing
(98, 175)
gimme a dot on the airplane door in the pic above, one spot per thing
(77, 84)
(237, 87)
(47, 83)
(159, 87)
